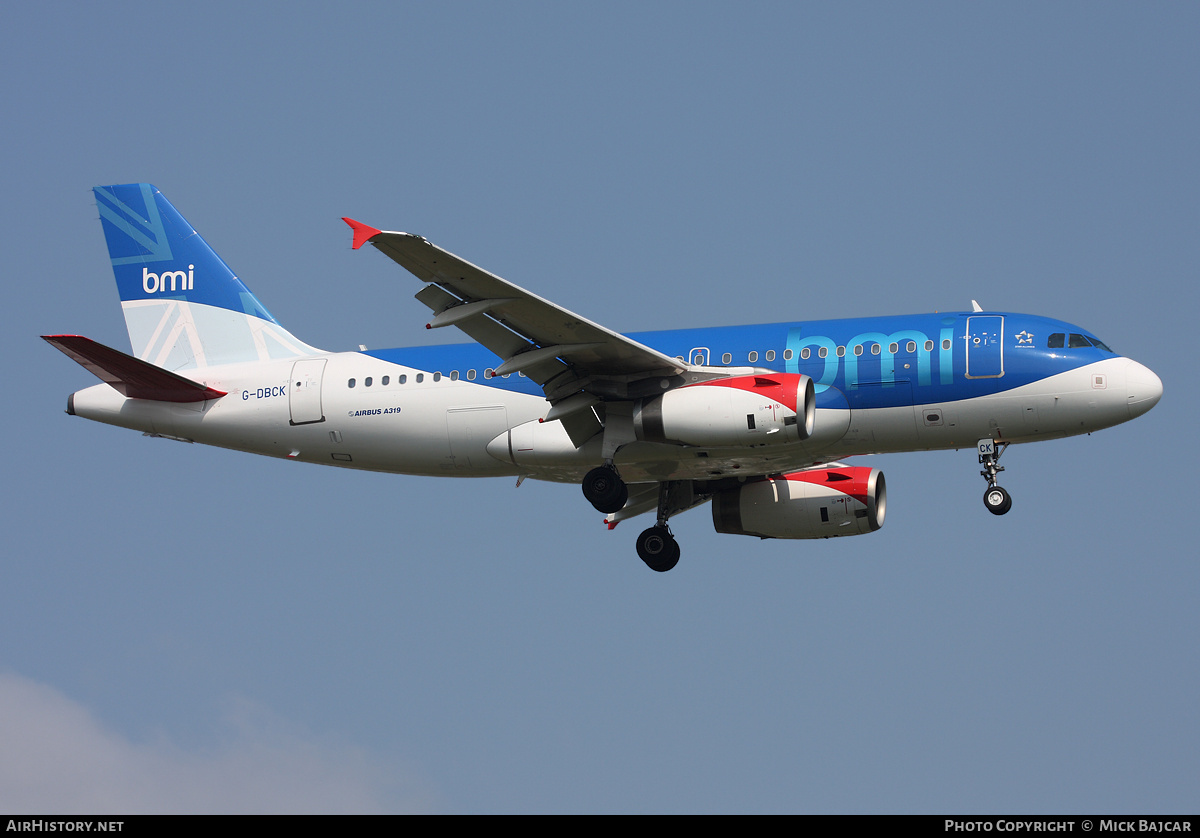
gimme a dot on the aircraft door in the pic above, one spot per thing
(985, 346)
(304, 392)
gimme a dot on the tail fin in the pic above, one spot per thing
(184, 308)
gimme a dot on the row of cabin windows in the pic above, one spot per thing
(910, 346)
(419, 378)
(1060, 340)
(806, 352)
(727, 358)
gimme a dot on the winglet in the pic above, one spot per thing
(362, 232)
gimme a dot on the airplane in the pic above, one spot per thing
(755, 420)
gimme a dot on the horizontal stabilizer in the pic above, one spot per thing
(131, 377)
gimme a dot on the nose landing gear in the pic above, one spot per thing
(997, 500)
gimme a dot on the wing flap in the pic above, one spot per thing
(130, 376)
(504, 342)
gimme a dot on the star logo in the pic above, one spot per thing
(1024, 338)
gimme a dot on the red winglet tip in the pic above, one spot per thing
(362, 232)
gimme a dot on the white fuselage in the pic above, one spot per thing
(439, 426)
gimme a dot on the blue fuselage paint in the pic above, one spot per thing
(873, 362)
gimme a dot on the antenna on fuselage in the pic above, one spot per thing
(975, 306)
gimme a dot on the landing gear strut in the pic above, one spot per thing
(996, 499)
(656, 546)
(605, 489)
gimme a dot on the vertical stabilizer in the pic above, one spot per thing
(184, 308)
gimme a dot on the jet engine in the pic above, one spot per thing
(747, 410)
(818, 503)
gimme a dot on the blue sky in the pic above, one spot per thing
(190, 629)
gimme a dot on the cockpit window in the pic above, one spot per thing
(1075, 341)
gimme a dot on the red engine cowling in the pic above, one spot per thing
(819, 503)
(741, 410)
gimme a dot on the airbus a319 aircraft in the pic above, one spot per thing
(754, 419)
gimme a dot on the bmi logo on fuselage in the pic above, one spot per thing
(153, 283)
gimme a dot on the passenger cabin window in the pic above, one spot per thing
(367, 381)
(420, 377)
(470, 375)
(822, 352)
(841, 351)
(787, 354)
(858, 349)
(437, 376)
(805, 353)
(402, 379)
(350, 383)
(753, 356)
(874, 349)
(726, 358)
(946, 343)
(928, 346)
(384, 381)
(770, 354)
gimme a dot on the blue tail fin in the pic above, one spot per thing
(184, 308)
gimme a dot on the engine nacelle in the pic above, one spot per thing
(819, 503)
(741, 410)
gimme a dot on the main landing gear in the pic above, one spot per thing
(997, 500)
(658, 548)
(605, 489)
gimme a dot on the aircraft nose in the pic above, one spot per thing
(1142, 387)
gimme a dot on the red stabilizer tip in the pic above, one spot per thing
(362, 232)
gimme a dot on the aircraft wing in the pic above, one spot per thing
(570, 356)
